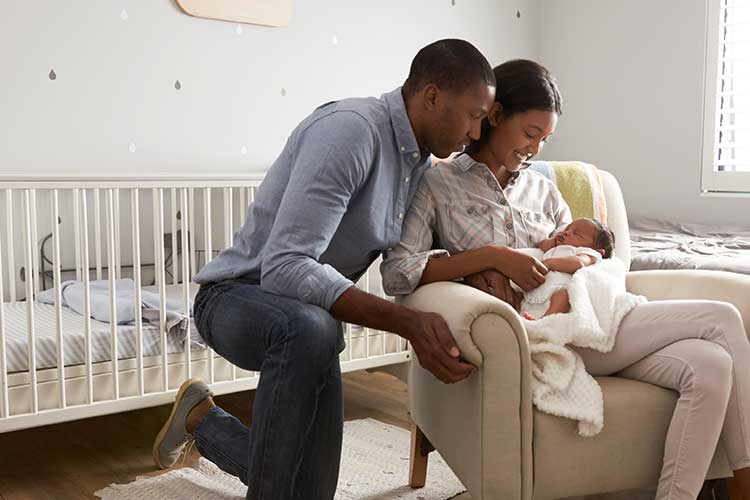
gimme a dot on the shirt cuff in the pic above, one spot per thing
(402, 277)
(323, 286)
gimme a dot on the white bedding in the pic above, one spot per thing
(45, 330)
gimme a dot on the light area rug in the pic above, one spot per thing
(374, 466)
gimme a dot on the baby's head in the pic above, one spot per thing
(591, 233)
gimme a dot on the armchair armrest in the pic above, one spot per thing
(694, 284)
(461, 305)
(493, 405)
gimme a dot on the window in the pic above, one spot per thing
(726, 136)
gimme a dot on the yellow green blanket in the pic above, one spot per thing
(580, 185)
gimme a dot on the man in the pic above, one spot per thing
(273, 302)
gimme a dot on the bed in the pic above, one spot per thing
(662, 244)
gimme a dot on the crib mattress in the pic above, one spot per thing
(660, 244)
(74, 339)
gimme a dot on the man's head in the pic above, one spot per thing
(449, 91)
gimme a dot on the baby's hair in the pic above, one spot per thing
(605, 238)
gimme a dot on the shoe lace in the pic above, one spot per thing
(186, 450)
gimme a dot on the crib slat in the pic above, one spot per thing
(161, 279)
(186, 279)
(118, 256)
(135, 215)
(34, 239)
(111, 274)
(11, 238)
(4, 410)
(191, 229)
(86, 296)
(97, 233)
(58, 298)
(77, 237)
(30, 300)
(173, 220)
(207, 248)
(228, 238)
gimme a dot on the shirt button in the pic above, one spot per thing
(406, 180)
(403, 149)
(509, 226)
(400, 215)
(415, 155)
(503, 202)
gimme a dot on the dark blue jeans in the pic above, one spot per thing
(292, 449)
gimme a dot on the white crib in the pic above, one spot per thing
(57, 365)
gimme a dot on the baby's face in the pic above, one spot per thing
(579, 233)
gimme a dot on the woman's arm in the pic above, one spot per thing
(526, 271)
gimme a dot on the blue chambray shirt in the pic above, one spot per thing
(330, 204)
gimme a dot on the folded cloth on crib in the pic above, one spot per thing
(72, 293)
(580, 185)
(560, 384)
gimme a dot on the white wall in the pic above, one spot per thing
(631, 75)
(116, 64)
(116, 77)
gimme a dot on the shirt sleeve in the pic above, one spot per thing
(591, 252)
(332, 160)
(403, 265)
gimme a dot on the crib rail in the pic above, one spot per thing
(157, 232)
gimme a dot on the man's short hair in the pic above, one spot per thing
(451, 64)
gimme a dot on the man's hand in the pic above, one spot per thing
(435, 347)
(496, 284)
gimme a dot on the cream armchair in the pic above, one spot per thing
(498, 444)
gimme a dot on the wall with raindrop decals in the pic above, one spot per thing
(135, 87)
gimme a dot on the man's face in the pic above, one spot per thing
(457, 118)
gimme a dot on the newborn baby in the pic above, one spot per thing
(582, 243)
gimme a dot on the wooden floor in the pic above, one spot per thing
(75, 459)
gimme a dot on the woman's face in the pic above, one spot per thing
(518, 137)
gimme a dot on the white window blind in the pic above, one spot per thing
(726, 162)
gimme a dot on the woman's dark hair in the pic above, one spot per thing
(451, 64)
(605, 238)
(522, 85)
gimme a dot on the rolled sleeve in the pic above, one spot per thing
(403, 266)
(332, 161)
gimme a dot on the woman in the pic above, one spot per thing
(481, 205)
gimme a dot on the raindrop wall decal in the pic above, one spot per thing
(239, 29)
(335, 40)
(52, 74)
(518, 14)
(243, 150)
(124, 15)
(177, 85)
(283, 92)
(132, 148)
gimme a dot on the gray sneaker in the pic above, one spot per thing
(173, 436)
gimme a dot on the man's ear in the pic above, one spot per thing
(431, 96)
(494, 115)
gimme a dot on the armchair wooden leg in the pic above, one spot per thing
(734, 489)
(420, 450)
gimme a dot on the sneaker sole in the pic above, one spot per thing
(168, 423)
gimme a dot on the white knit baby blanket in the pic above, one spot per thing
(560, 384)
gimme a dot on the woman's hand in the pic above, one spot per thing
(495, 284)
(526, 271)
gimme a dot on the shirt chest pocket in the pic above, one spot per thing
(470, 225)
(536, 225)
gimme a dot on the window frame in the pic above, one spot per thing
(714, 182)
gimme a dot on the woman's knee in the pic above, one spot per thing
(710, 370)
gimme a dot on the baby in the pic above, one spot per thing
(582, 243)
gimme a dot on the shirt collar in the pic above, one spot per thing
(405, 138)
(465, 162)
